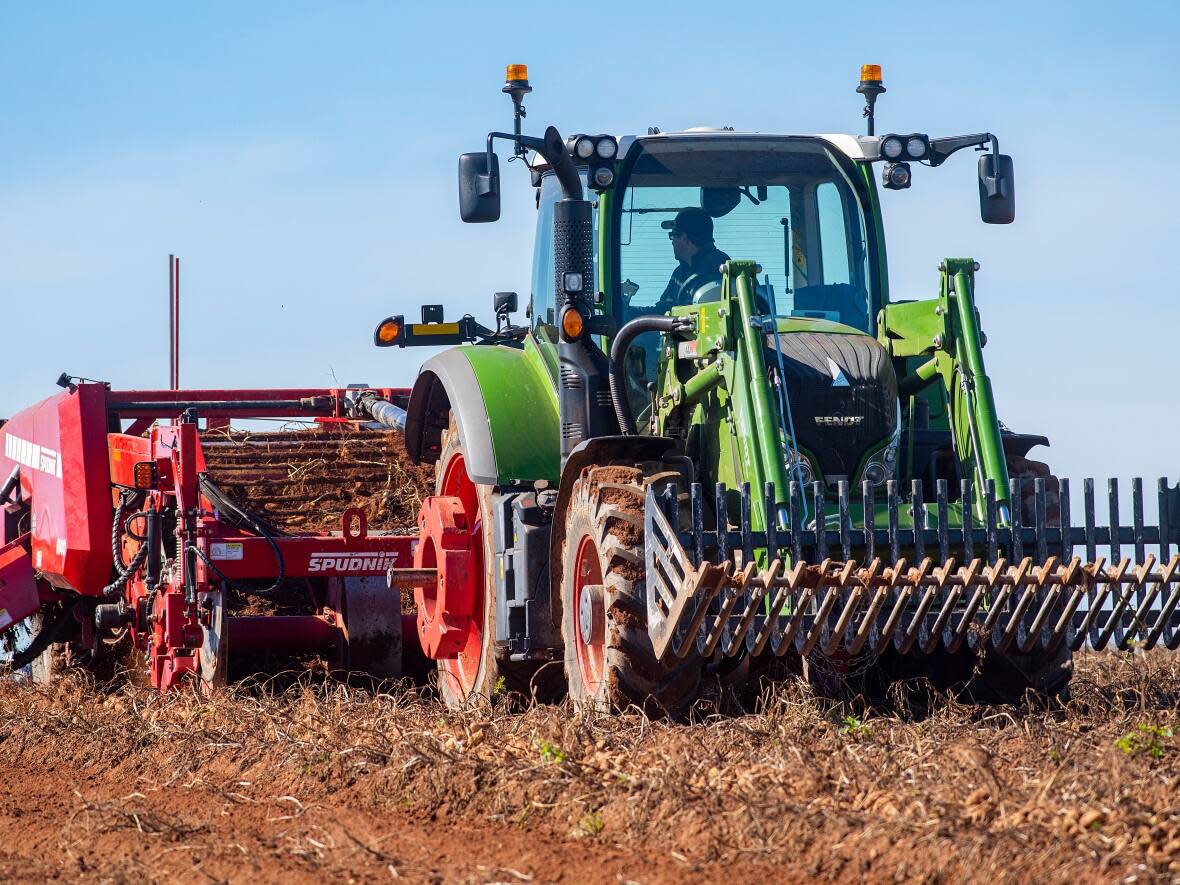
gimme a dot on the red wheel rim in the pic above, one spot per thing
(591, 655)
(463, 672)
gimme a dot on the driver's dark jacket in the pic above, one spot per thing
(706, 264)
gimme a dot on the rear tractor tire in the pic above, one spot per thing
(609, 661)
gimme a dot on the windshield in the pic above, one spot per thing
(689, 204)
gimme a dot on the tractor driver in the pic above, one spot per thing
(691, 233)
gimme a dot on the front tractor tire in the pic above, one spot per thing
(1011, 677)
(609, 662)
(477, 674)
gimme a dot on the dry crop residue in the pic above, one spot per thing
(302, 480)
(327, 783)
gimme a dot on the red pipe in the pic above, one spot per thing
(282, 633)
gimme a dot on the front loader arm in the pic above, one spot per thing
(947, 329)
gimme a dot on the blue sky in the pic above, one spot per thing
(300, 158)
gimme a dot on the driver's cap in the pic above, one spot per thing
(693, 221)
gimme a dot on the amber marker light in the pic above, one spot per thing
(145, 474)
(517, 72)
(389, 332)
(573, 324)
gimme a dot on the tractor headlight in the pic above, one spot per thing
(606, 148)
(876, 473)
(603, 176)
(896, 176)
(584, 148)
(800, 471)
(917, 147)
(892, 147)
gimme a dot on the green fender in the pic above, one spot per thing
(505, 407)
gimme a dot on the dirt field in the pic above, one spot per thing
(325, 782)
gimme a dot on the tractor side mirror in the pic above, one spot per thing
(479, 187)
(505, 303)
(997, 189)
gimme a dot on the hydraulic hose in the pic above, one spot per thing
(383, 412)
(618, 352)
(123, 572)
(243, 519)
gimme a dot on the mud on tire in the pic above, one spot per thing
(609, 661)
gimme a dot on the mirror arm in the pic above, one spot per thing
(552, 149)
(942, 148)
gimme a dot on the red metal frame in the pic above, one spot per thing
(71, 468)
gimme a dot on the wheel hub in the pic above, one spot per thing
(592, 615)
(446, 610)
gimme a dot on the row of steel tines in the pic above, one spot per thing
(831, 599)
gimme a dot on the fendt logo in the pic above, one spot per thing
(29, 454)
(377, 563)
(839, 420)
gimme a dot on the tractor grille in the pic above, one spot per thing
(843, 396)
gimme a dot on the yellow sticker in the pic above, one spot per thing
(434, 329)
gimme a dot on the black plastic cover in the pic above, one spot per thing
(479, 188)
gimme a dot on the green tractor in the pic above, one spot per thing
(718, 449)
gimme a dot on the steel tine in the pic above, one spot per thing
(1148, 594)
(1066, 517)
(876, 596)
(996, 606)
(944, 541)
(989, 510)
(919, 514)
(821, 528)
(869, 521)
(907, 638)
(733, 642)
(1016, 619)
(821, 620)
(771, 510)
(946, 607)
(732, 594)
(978, 589)
(779, 594)
(1137, 518)
(697, 504)
(1015, 507)
(1113, 626)
(1098, 589)
(785, 641)
(968, 515)
(1091, 536)
(1039, 519)
(1116, 532)
(894, 541)
(796, 521)
(721, 508)
(899, 582)
(1164, 520)
(845, 519)
(1169, 606)
(1050, 575)
(746, 526)
(1065, 629)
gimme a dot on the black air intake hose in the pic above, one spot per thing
(618, 352)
